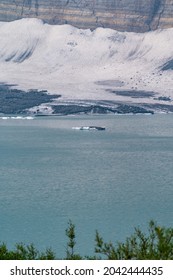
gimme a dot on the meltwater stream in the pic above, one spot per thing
(110, 181)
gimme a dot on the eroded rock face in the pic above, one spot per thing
(123, 15)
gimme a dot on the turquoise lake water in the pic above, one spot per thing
(110, 181)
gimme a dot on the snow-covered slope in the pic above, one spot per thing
(83, 64)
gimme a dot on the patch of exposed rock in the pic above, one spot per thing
(123, 15)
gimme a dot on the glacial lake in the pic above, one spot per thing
(110, 181)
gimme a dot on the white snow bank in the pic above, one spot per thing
(70, 61)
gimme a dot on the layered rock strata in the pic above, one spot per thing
(123, 15)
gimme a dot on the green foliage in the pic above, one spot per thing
(70, 233)
(23, 252)
(156, 244)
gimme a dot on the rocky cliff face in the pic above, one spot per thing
(123, 15)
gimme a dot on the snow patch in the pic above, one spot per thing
(80, 64)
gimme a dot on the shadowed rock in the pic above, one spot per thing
(14, 101)
(168, 65)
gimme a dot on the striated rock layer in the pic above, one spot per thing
(123, 15)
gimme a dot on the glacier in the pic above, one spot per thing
(85, 66)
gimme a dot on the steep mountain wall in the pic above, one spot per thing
(123, 15)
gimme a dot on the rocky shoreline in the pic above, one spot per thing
(40, 103)
(100, 109)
